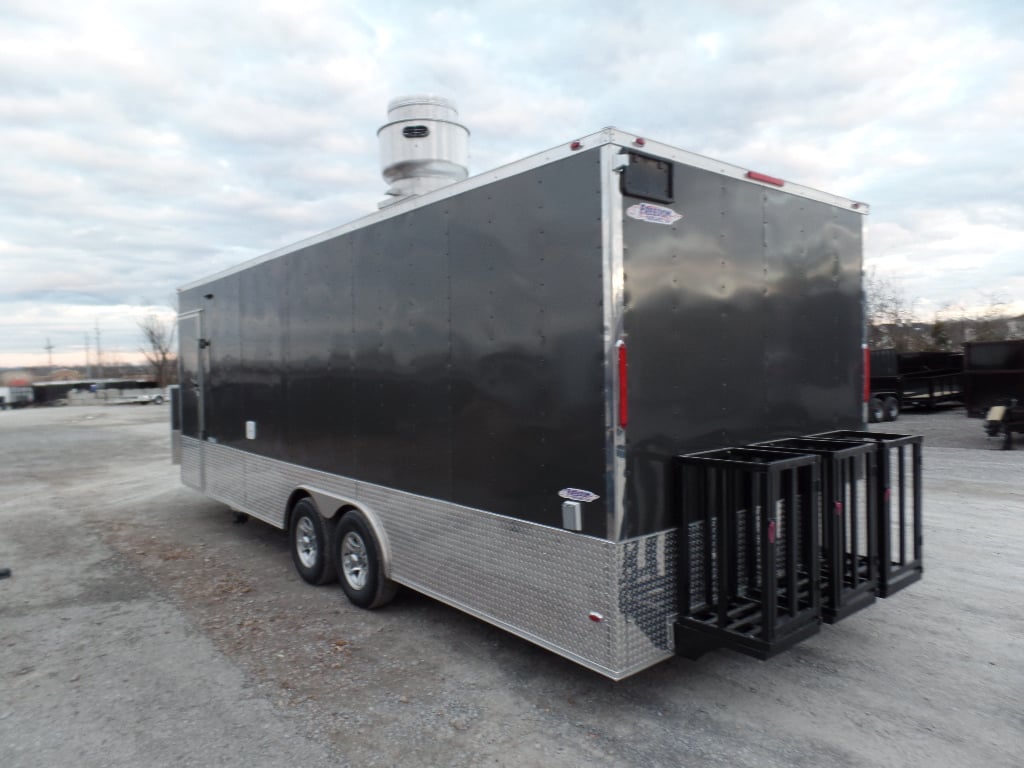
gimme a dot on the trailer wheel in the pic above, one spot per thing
(891, 409)
(876, 412)
(360, 568)
(310, 543)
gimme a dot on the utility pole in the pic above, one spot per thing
(99, 357)
(49, 350)
(88, 367)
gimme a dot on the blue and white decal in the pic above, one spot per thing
(655, 214)
(576, 494)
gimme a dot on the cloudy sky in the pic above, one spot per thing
(145, 145)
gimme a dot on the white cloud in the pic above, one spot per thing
(147, 145)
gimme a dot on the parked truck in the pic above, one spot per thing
(532, 394)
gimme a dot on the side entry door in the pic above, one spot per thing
(192, 374)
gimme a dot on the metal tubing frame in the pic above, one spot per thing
(845, 591)
(894, 575)
(764, 485)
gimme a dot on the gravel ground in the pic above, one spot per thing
(141, 626)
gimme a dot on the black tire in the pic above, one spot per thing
(310, 538)
(158, 400)
(359, 564)
(876, 412)
(890, 409)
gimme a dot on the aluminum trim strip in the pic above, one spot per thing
(614, 285)
(412, 203)
(627, 141)
(176, 446)
(191, 463)
(603, 137)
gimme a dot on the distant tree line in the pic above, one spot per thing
(891, 322)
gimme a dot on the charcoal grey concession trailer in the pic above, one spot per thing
(527, 393)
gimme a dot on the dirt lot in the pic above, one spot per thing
(141, 626)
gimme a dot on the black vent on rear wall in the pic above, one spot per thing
(415, 131)
(647, 177)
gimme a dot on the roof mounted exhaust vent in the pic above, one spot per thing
(423, 147)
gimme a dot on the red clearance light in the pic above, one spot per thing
(639, 141)
(576, 145)
(623, 385)
(764, 177)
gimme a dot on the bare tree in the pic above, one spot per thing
(991, 323)
(990, 320)
(159, 336)
(889, 314)
(891, 322)
(940, 335)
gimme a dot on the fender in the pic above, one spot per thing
(327, 500)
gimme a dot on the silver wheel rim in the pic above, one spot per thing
(354, 563)
(305, 542)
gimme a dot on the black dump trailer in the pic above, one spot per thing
(533, 395)
(994, 386)
(902, 380)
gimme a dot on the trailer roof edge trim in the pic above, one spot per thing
(650, 146)
(605, 136)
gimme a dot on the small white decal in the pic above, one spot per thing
(575, 494)
(655, 214)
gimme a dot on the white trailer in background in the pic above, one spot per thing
(15, 397)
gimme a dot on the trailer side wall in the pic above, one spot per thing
(454, 351)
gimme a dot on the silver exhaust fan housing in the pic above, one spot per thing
(423, 147)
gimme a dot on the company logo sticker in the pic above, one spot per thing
(575, 494)
(655, 214)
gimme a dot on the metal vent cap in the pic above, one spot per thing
(423, 146)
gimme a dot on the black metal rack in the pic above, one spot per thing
(749, 576)
(900, 532)
(849, 537)
(777, 537)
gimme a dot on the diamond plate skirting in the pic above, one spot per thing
(541, 583)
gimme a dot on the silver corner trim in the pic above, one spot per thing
(614, 307)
